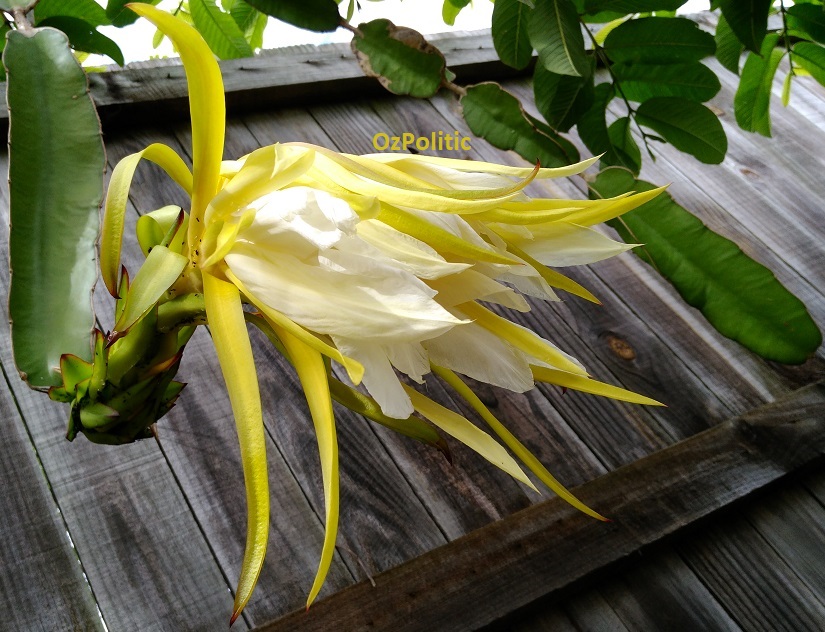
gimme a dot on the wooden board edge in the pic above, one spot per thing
(530, 555)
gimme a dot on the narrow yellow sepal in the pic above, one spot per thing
(470, 435)
(207, 107)
(226, 322)
(586, 385)
(554, 278)
(527, 457)
(309, 364)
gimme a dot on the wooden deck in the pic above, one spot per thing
(718, 500)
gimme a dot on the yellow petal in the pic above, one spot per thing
(312, 372)
(226, 322)
(207, 107)
(473, 437)
(437, 238)
(620, 205)
(511, 442)
(586, 385)
(521, 338)
(485, 167)
(114, 216)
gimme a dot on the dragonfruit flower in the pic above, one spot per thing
(378, 262)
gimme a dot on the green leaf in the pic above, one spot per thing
(450, 10)
(56, 165)
(728, 47)
(640, 82)
(809, 18)
(752, 101)
(83, 36)
(400, 58)
(510, 33)
(748, 19)
(741, 298)
(220, 31)
(687, 125)
(497, 116)
(86, 10)
(244, 14)
(119, 15)
(658, 41)
(562, 99)
(593, 131)
(632, 6)
(622, 140)
(320, 16)
(255, 35)
(555, 33)
(810, 57)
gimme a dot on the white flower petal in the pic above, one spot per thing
(477, 353)
(350, 296)
(410, 358)
(410, 253)
(379, 378)
(561, 244)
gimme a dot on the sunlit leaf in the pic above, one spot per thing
(728, 47)
(748, 19)
(497, 116)
(224, 36)
(314, 15)
(642, 81)
(85, 37)
(562, 99)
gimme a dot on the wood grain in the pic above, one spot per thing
(547, 547)
(42, 585)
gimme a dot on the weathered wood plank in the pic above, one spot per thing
(548, 547)
(662, 593)
(281, 77)
(793, 523)
(758, 587)
(591, 611)
(41, 585)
